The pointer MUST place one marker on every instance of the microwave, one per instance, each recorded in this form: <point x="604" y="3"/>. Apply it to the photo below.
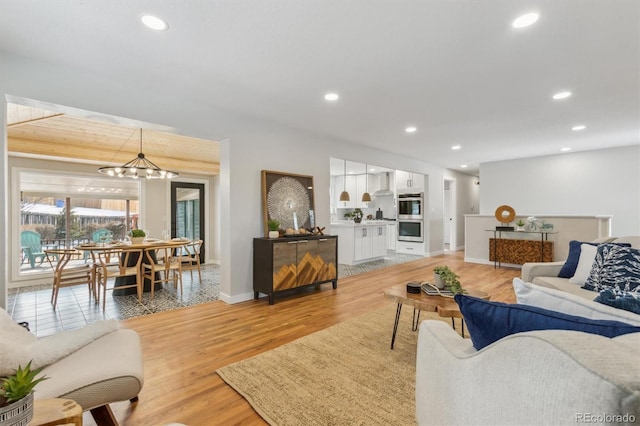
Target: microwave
<point x="411" y="206"/>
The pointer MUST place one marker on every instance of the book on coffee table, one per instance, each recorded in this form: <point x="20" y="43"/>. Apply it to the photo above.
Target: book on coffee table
<point x="431" y="290"/>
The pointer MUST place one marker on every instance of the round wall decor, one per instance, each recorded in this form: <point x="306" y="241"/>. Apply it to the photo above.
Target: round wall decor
<point x="505" y="214"/>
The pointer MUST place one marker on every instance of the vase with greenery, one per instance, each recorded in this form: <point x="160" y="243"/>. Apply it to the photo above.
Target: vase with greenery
<point x="446" y="279"/>
<point x="16" y="395"/>
<point x="273" y="226"/>
<point x="137" y="236"/>
<point x="520" y="225"/>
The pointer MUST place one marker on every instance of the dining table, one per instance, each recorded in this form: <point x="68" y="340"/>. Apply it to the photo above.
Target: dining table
<point x="149" y="245"/>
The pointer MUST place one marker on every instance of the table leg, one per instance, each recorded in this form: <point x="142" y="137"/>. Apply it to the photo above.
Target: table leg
<point x="462" y="327"/>
<point x="395" y="324"/>
<point x="416" y="320"/>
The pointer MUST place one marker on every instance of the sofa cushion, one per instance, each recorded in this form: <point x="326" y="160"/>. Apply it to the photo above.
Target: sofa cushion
<point x="615" y="267"/>
<point x="562" y="301"/>
<point x="569" y="268"/>
<point x="489" y="321"/>
<point x="587" y="256"/>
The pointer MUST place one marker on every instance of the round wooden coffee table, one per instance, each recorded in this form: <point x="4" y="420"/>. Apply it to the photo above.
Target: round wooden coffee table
<point x="444" y="306"/>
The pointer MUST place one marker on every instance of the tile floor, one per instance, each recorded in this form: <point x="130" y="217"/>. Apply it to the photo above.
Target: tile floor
<point x="76" y="307"/>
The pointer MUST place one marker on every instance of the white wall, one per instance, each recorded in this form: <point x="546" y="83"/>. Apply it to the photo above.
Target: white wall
<point x="601" y="182"/>
<point x="248" y="146"/>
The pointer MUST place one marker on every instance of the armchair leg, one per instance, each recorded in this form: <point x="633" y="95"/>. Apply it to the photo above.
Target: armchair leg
<point x="104" y="416"/>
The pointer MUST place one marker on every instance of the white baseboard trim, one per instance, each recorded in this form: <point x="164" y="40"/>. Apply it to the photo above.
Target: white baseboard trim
<point x="231" y="300"/>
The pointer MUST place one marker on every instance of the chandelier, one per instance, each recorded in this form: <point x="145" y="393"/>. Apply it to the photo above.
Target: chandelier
<point x="139" y="167"/>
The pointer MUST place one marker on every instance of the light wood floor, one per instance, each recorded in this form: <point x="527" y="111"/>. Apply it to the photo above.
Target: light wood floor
<point x="183" y="348"/>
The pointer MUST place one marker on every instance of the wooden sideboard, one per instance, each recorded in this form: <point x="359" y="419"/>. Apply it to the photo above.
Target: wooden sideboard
<point x="281" y="264"/>
<point x="520" y="251"/>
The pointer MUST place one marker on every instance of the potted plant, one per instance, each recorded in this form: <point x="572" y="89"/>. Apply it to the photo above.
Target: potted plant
<point x="356" y="215"/>
<point x="273" y="226"/>
<point x="446" y="279"/>
<point x="16" y="395"/>
<point x="137" y="236"/>
<point x="520" y="225"/>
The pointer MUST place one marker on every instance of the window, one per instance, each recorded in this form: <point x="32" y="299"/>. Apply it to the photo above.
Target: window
<point x="64" y="210"/>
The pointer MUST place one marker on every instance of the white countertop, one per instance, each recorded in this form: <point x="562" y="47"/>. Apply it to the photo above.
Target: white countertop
<point x="363" y="223"/>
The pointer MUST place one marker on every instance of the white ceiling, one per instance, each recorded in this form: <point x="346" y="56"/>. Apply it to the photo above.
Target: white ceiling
<point x="456" y="69"/>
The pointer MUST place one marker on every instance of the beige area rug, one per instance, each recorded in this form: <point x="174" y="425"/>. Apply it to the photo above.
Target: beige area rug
<point x="344" y="375"/>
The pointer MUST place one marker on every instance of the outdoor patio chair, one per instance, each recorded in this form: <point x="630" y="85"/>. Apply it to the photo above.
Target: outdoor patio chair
<point x="96" y="237"/>
<point x="31" y="243"/>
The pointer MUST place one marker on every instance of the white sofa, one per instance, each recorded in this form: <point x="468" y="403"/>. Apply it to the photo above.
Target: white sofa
<point x="546" y="273"/>
<point x="533" y="378"/>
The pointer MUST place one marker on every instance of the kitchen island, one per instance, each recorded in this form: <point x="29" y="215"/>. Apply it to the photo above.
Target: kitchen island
<point x="360" y="242"/>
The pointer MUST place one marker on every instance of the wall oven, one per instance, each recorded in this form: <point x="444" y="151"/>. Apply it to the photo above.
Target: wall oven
<point x="411" y="206"/>
<point x="411" y="230"/>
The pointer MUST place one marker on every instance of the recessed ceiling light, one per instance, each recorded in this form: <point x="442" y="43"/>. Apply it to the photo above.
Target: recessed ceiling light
<point x="331" y="97"/>
<point x="525" y="20"/>
<point x="154" y="22"/>
<point x="456" y="147"/>
<point x="565" y="149"/>
<point x="463" y="166"/>
<point x="578" y="127"/>
<point x="411" y="129"/>
<point x="561" y="95"/>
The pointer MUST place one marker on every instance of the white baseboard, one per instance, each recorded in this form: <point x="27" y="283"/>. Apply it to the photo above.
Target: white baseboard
<point x="231" y="300"/>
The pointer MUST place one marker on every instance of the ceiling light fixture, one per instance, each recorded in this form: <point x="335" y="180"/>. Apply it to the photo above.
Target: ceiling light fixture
<point x="331" y="97"/>
<point x="463" y="166"/>
<point x="411" y="129"/>
<point x="561" y="95"/>
<point x="578" y="127"/>
<point x="154" y="23"/>
<point x="456" y="147"/>
<point x="344" y="195"/>
<point x="138" y="167"/>
<point x="525" y="20"/>
<point x="366" y="197"/>
<point x="565" y="149"/>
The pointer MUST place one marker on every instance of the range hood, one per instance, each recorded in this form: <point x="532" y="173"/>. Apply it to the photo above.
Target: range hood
<point x="384" y="186"/>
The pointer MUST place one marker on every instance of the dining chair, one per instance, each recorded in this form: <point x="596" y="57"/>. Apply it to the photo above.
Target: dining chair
<point x="128" y="265"/>
<point x="162" y="265"/>
<point x="190" y="257"/>
<point x="66" y="273"/>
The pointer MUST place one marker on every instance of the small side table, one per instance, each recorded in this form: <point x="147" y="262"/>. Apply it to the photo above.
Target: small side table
<point x="56" y="411"/>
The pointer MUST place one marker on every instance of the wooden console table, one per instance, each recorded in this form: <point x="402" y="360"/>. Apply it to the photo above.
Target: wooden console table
<point x="519" y="251"/>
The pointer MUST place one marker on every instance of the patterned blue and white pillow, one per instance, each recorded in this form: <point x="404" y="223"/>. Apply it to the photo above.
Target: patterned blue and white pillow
<point x="627" y="300"/>
<point x="614" y="267"/>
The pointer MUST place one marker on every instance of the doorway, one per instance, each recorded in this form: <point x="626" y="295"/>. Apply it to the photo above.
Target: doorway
<point x="187" y="212"/>
<point x="449" y="216"/>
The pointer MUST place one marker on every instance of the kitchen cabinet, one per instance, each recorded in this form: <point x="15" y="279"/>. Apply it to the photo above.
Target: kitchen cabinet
<point x="360" y="242"/>
<point x="281" y="264"/>
<point x="409" y="182"/>
<point x="391" y="236"/>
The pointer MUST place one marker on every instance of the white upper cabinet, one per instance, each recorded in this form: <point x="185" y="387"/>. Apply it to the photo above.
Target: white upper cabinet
<point x="409" y="181"/>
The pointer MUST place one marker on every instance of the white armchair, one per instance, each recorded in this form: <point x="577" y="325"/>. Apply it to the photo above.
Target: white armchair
<point x="538" y="377"/>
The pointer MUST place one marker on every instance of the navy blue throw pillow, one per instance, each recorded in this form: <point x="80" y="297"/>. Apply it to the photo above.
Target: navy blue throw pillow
<point x="627" y="300"/>
<point x="489" y="321"/>
<point x="569" y="268"/>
